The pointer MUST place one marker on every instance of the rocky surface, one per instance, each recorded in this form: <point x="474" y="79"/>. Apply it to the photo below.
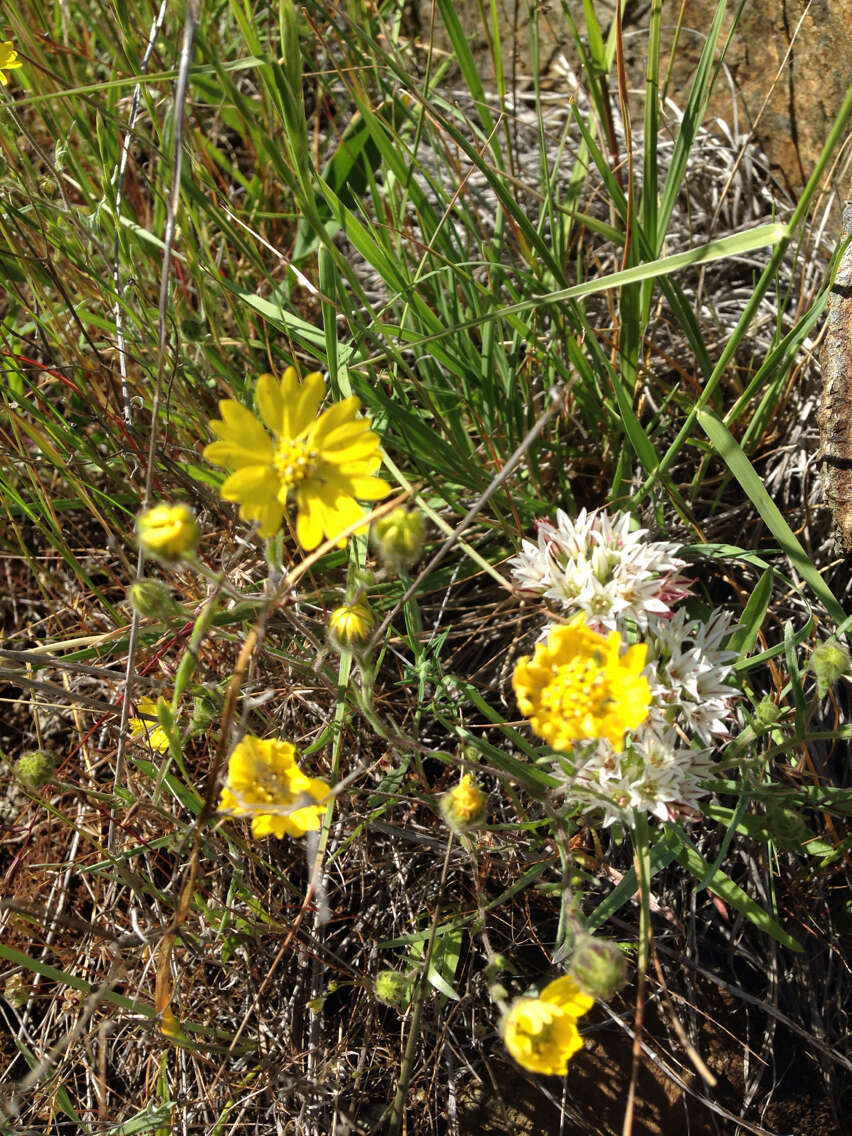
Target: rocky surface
<point x="787" y="103"/>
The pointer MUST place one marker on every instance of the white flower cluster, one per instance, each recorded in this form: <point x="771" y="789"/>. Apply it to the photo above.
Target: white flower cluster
<point x="626" y="583"/>
<point x="598" y="566"/>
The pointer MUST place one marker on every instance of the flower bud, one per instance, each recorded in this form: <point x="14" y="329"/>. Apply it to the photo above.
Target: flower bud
<point x="786" y="826"/>
<point x="767" y="712"/>
<point x="153" y="600"/>
<point x="394" y="989"/>
<point x="168" y="532"/>
<point x="206" y="706"/>
<point x="598" y="966"/>
<point x="35" y="769"/>
<point x="398" y="538"/>
<point x="351" y="624"/>
<point x="828" y="662"/>
<point x="465" y="805"/>
<point x="16" y="991"/>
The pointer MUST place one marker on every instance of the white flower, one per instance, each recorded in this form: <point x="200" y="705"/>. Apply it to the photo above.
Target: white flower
<point x="655" y="774"/>
<point x="686" y="670"/>
<point x="597" y="565"/>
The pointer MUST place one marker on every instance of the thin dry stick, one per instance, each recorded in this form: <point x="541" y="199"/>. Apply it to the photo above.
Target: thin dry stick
<point x="190" y="23"/>
<point x="674" y="1021"/>
<point x="119" y="201"/>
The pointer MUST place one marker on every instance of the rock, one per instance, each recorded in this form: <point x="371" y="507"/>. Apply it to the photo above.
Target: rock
<point x="800" y="107"/>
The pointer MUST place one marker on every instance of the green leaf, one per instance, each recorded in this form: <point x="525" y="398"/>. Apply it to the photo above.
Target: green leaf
<point x="723" y="886"/>
<point x="745" y="473"/>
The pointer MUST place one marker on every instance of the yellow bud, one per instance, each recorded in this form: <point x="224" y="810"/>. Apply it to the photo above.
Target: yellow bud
<point x="168" y="532"/>
<point x="398" y="538"/>
<point x="465" y="805"/>
<point x="351" y="624"/>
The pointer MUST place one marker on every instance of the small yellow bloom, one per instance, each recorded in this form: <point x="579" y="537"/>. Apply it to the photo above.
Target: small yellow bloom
<point x="326" y="460"/>
<point x="265" y="783"/>
<point x="351" y="624"/>
<point x="8" y="60"/>
<point x="465" y="804"/>
<point x="398" y="537"/>
<point x="578" y="685"/>
<point x="541" y="1033"/>
<point x="155" y="735"/>
<point x="168" y="532"/>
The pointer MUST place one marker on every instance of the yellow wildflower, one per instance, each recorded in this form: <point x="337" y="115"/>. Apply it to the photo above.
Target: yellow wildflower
<point x="265" y="783"/>
<point x="168" y="532"/>
<point x="578" y="685"/>
<point x="351" y="624"/>
<point x="327" y="460"/>
<point x="541" y="1033"/>
<point x="155" y="735"/>
<point x="465" y="804"/>
<point x="8" y="60"/>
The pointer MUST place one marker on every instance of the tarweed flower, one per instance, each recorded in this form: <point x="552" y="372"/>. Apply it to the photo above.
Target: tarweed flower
<point x="465" y="805"/>
<point x="597" y="565"/>
<point x="351" y="624"/>
<point x="265" y="783"/>
<point x="8" y="61"/>
<point x="326" y="459"/>
<point x="35" y="769"/>
<point x="541" y="1033"/>
<point x="168" y="532"/>
<point x="153" y="600"/>
<point x="398" y="538"/>
<point x="578" y="685"/>
<point x="394" y="989"/>
<point x="828" y="663"/>
<point x="154" y="735"/>
<point x="598" y="966"/>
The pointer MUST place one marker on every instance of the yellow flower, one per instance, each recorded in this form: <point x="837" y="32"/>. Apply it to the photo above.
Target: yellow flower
<point x="326" y="459"/>
<point x="265" y="783"/>
<point x="541" y="1033"/>
<point x="465" y="804"/>
<point x="578" y="685"/>
<point x="350" y="624"/>
<point x="155" y="735"/>
<point x="8" y="60"/>
<point x="168" y="532"/>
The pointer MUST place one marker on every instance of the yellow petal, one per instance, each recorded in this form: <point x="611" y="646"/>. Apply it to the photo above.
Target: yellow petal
<point x="335" y="416"/>
<point x="256" y="488"/>
<point x="309" y="522"/>
<point x="370" y="488"/>
<point x="301" y="410"/>
<point x="566" y="993"/>
<point x="267" y="824"/>
<point x="269" y="402"/>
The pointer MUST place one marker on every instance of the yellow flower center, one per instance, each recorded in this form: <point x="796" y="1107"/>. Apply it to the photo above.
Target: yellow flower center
<point x="294" y="461"/>
<point x="467" y="799"/>
<point x="269" y="787"/>
<point x="578" y="687"/>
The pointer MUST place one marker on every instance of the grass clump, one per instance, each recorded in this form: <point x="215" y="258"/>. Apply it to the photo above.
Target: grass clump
<point x="504" y="384"/>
